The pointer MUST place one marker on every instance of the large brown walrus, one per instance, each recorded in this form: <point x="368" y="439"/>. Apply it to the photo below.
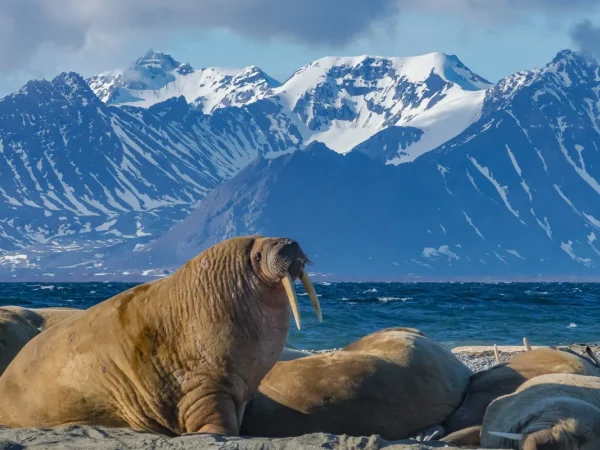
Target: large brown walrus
<point x="15" y="333"/>
<point x="502" y="379"/>
<point x="173" y="356"/>
<point x="394" y="383"/>
<point x="549" y="412"/>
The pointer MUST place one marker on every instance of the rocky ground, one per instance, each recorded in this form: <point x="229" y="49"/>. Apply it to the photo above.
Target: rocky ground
<point x="92" y="438"/>
<point x="95" y="438"/>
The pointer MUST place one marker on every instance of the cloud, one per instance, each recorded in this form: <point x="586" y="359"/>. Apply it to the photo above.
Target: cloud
<point x="587" y="37"/>
<point x="30" y="28"/>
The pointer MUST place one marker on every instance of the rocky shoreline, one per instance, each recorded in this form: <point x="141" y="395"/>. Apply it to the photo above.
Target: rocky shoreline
<point x="97" y="438"/>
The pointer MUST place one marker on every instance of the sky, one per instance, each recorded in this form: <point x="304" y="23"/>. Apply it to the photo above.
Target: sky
<point x="41" y="38"/>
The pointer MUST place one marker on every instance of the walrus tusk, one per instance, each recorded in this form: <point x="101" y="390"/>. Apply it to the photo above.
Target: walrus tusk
<point x="592" y="355"/>
<point x="288" y="284"/>
<point x="526" y="344"/>
<point x="312" y="294"/>
<point x="510" y="436"/>
<point x="496" y="354"/>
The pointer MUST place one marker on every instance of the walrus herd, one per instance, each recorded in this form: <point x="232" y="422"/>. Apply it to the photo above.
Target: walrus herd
<point x="204" y="351"/>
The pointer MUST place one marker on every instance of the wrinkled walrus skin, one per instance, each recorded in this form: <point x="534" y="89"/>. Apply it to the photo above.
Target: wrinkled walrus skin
<point x="15" y="333"/>
<point x="549" y="412"/>
<point x="177" y="355"/>
<point x="503" y="379"/>
<point x="394" y="383"/>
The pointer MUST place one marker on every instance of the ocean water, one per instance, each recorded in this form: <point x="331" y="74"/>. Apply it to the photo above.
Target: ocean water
<point x="452" y="313"/>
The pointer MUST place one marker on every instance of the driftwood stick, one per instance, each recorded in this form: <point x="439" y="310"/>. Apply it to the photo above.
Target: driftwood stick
<point x="496" y="354"/>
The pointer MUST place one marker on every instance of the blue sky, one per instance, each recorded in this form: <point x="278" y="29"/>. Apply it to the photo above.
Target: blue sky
<point x="492" y="53"/>
<point x="495" y="38"/>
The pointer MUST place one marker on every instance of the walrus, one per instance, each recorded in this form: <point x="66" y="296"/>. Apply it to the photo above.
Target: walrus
<point x="395" y="383"/>
<point x="177" y="355"/>
<point x="289" y="354"/>
<point x="43" y="318"/>
<point x="15" y="333"/>
<point x="549" y="412"/>
<point x="505" y="378"/>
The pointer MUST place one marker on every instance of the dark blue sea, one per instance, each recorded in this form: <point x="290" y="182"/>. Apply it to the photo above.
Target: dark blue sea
<point x="452" y="313"/>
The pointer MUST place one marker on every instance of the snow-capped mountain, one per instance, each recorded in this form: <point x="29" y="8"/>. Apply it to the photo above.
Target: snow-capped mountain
<point x="157" y="77"/>
<point x="343" y="102"/>
<point x="516" y="194"/>
<point x="496" y="180"/>
<point x="78" y="170"/>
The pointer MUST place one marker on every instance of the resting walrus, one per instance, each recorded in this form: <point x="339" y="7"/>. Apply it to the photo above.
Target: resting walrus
<point x="177" y="355"/>
<point x="15" y="333"/>
<point x="502" y="379"/>
<point x="394" y="383"/>
<point x="43" y="318"/>
<point x="549" y="412"/>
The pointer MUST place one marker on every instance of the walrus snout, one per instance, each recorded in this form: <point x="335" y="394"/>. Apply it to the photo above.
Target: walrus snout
<point x="289" y="259"/>
<point x="286" y="262"/>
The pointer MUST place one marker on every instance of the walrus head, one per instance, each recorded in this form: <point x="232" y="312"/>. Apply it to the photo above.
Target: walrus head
<point x="281" y="260"/>
<point x="566" y="424"/>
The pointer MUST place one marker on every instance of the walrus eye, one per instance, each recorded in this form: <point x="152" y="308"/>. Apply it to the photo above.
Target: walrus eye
<point x="257" y="257"/>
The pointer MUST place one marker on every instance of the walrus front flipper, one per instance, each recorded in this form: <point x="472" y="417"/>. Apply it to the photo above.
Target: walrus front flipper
<point x="467" y="436"/>
<point x="214" y="414"/>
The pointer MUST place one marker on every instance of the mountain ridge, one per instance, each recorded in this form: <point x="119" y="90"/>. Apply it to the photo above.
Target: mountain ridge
<point x="103" y="190"/>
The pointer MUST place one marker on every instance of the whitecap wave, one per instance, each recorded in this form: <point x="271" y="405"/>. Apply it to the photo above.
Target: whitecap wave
<point x="393" y="299"/>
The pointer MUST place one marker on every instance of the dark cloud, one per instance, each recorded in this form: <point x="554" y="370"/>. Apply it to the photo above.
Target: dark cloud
<point x="29" y="28"/>
<point x="586" y="37"/>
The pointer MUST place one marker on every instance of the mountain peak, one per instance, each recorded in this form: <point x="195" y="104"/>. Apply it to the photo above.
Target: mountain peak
<point x="317" y="147"/>
<point x="156" y="61"/>
<point x="570" y="68"/>
<point x="73" y="87"/>
<point x="566" y="59"/>
<point x="568" y="55"/>
<point x="72" y="78"/>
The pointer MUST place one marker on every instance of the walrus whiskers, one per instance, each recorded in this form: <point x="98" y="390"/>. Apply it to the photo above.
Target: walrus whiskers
<point x="509" y="436"/>
<point x="312" y="294"/>
<point x="288" y="284"/>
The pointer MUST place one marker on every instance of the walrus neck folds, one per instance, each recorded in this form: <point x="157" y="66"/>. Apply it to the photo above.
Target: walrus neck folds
<point x="238" y="303"/>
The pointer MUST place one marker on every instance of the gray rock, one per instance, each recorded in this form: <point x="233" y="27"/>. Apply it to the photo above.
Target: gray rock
<point x="96" y="438"/>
